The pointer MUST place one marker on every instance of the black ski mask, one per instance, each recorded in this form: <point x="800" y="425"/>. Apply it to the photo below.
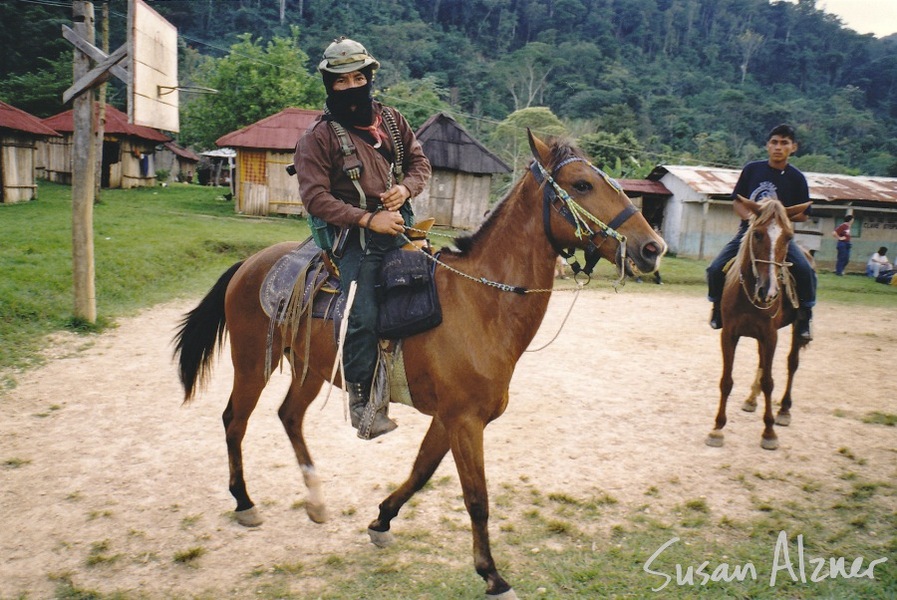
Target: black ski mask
<point x="340" y="103"/>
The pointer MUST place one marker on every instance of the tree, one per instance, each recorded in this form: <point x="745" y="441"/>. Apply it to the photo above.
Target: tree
<point x="620" y="154"/>
<point x="417" y="100"/>
<point x="749" y="42"/>
<point x="510" y="138"/>
<point x="253" y="82"/>
<point x="525" y="73"/>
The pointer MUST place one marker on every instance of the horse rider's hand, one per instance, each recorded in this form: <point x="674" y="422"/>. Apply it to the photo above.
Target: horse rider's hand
<point x="389" y="222"/>
<point x="395" y="197"/>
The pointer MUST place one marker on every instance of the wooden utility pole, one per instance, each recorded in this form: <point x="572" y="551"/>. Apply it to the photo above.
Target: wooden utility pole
<point x="83" y="173"/>
<point x="100" y="132"/>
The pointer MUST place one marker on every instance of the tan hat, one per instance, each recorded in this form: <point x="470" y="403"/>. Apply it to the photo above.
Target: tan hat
<point x="345" y="56"/>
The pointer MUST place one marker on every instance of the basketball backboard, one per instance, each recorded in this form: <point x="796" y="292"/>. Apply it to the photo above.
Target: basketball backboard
<point x="153" y="57"/>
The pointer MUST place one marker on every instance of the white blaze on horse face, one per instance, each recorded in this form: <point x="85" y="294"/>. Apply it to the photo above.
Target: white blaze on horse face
<point x="774" y="232"/>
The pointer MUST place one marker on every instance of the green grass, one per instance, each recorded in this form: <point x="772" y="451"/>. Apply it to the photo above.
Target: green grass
<point x="150" y="245"/>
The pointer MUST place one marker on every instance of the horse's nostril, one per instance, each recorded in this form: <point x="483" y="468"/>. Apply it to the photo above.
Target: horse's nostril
<point x="650" y="250"/>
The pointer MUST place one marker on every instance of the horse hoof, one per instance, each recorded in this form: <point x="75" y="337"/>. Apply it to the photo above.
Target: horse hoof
<point x="749" y="406"/>
<point x="316" y="512"/>
<point x="715" y="439"/>
<point x="768" y="444"/>
<point x="381" y="539"/>
<point x="509" y="595"/>
<point x="249" y="517"/>
<point x="783" y="419"/>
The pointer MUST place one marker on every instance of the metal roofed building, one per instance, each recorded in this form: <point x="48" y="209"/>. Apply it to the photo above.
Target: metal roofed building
<point x="698" y="219"/>
<point x="20" y="133"/>
<point x="264" y="150"/>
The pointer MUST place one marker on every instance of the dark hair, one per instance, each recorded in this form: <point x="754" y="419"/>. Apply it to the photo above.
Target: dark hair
<point x="882" y="250"/>
<point x="786" y="131"/>
<point x="848" y="218"/>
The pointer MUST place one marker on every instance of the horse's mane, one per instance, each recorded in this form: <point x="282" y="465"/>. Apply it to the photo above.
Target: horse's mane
<point x="772" y="210"/>
<point x="561" y="149"/>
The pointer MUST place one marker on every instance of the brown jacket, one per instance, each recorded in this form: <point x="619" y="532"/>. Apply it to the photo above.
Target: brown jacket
<point x="328" y="193"/>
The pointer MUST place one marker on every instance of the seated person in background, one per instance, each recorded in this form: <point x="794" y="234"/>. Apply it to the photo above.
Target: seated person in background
<point x="878" y="263"/>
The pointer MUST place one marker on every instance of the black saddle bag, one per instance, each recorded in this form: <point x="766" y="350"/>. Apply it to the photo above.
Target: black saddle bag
<point x="406" y="291"/>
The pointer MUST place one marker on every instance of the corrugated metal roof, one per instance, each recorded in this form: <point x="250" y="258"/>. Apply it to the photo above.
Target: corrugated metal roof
<point x="824" y="187"/>
<point x="19" y="120"/>
<point x="116" y="124"/>
<point x="181" y="151"/>
<point x="448" y="146"/>
<point x="277" y="132"/>
<point x="644" y="186"/>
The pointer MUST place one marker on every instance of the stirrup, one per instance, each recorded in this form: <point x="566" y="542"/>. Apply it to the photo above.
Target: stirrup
<point x="374" y="422"/>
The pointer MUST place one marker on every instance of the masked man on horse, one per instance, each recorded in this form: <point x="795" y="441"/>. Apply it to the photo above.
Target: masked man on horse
<point x="773" y="178"/>
<point x="358" y="167"/>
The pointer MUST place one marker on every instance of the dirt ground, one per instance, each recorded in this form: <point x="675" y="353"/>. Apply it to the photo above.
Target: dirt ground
<point x="98" y="456"/>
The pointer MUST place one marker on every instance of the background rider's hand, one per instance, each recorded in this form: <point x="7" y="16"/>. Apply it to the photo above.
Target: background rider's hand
<point x="385" y="221"/>
<point x="395" y="197"/>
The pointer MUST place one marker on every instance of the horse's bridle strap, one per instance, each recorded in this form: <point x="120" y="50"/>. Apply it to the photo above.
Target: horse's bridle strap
<point x="573" y="214"/>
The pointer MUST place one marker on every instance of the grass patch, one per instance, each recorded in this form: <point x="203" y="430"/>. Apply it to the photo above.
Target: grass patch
<point x="880" y="418"/>
<point x="150" y="245"/>
<point x="189" y="556"/>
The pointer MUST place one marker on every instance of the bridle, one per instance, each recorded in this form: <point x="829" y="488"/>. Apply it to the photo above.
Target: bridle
<point x="554" y="196"/>
<point x="781" y="274"/>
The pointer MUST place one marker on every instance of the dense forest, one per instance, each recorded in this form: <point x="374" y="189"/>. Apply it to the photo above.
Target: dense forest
<point x="638" y="82"/>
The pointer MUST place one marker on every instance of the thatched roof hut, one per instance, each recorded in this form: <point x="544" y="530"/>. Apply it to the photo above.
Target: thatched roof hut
<point x="458" y="195"/>
<point x="264" y="150"/>
<point x="19" y="134"/>
<point x="128" y="150"/>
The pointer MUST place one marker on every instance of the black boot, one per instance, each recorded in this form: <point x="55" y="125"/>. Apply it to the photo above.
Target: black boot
<point x="804" y="319"/>
<point x="369" y="422"/>
<point x="716" y="317"/>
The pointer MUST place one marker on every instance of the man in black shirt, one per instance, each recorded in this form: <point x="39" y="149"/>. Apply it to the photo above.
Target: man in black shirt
<point x="773" y="178"/>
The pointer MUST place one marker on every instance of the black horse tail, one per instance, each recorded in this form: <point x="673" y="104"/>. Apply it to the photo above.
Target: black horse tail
<point x="200" y="331"/>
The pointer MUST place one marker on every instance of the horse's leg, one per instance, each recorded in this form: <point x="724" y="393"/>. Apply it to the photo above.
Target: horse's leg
<point x="783" y="417"/>
<point x="466" y="440"/>
<point x="292" y="413"/>
<point x="243" y="399"/>
<point x="767" y="350"/>
<point x="750" y="403"/>
<point x="729" y="342"/>
<point x="432" y="450"/>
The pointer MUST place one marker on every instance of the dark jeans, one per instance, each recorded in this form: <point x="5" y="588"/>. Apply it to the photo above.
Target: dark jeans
<point x="843" y="257"/>
<point x="804" y="275"/>
<point x="362" y="266"/>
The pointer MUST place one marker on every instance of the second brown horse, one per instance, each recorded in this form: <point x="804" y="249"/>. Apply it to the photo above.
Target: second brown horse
<point x="758" y="300"/>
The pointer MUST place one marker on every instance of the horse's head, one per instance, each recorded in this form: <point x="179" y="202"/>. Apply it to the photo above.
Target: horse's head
<point x="765" y="244"/>
<point x="584" y="208"/>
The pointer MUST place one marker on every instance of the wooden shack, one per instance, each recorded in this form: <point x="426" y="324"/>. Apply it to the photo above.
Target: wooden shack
<point x="458" y="194"/>
<point x="180" y="162"/>
<point x="19" y="134"/>
<point x="128" y="151"/>
<point x="264" y="150"/>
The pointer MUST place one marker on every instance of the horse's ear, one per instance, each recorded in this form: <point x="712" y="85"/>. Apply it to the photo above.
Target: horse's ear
<point x="744" y="208"/>
<point x="798" y="212"/>
<point x="538" y="147"/>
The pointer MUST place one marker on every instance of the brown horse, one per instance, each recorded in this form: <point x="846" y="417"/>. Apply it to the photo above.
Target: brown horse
<point x="494" y="290"/>
<point x="758" y="300"/>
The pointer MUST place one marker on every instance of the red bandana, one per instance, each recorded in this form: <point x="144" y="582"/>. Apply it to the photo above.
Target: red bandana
<point x="374" y="130"/>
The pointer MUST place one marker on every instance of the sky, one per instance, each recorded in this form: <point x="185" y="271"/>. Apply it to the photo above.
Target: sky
<point x="878" y="17"/>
